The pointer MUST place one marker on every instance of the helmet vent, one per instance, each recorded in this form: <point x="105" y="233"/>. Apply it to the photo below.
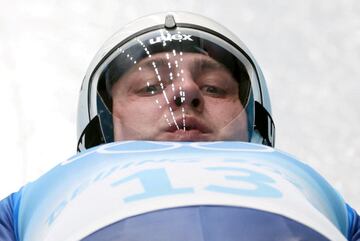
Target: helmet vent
<point x="170" y="22"/>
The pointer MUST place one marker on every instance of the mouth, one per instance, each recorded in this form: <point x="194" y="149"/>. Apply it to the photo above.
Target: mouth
<point x="188" y="124"/>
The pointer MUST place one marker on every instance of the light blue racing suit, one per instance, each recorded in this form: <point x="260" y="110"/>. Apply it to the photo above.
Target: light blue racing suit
<point x="178" y="191"/>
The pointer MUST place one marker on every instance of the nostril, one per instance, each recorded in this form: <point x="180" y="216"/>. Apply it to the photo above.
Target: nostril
<point x="178" y="101"/>
<point x="195" y="102"/>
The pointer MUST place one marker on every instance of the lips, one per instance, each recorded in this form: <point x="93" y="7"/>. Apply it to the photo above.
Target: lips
<point x="188" y="124"/>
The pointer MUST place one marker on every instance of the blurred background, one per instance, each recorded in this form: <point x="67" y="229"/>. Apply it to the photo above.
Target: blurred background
<point x="309" y="51"/>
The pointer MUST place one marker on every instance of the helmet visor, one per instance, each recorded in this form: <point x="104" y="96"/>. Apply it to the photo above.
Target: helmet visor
<point x="179" y="85"/>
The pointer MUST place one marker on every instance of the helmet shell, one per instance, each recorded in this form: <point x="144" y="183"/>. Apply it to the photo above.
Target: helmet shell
<point x="264" y="127"/>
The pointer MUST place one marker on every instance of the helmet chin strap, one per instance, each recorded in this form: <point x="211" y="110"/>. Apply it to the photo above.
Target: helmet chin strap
<point x="91" y="136"/>
<point x="257" y="138"/>
<point x="264" y="129"/>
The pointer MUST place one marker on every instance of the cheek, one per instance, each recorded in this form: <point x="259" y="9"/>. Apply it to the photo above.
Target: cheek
<point x="140" y="109"/>
<point x="230" y="119"/>
<point x="224" y="110"/>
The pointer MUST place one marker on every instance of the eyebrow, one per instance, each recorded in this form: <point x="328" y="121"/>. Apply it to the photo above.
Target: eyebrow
<point x="198" y="63"/>
<point x="154" y="63"/>
<point x="207" y="64"/>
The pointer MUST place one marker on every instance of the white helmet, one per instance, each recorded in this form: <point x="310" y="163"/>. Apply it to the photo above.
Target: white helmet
<point x="158" y="58"/>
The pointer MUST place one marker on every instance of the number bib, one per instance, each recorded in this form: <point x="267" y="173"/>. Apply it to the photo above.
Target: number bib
<point x="119" y="180"/>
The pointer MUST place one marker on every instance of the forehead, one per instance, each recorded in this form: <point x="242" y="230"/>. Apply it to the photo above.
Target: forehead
<point x="193" y="62"/>
<point x="176" y="60"/>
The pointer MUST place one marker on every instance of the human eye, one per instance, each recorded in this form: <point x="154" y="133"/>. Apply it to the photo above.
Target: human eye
<point x="213" y="91"/>
<point x="150" y="89"/>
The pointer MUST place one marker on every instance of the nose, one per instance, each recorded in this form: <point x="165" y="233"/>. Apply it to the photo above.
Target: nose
<point x="187" y="94"/>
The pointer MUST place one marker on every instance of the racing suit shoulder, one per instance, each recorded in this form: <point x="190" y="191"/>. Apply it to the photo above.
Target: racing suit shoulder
<point x="8" y="217"/>
<point x="354" y="224"/>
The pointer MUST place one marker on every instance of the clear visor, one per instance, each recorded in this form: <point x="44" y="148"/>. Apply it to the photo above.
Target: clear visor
<point x="181" y="85"/>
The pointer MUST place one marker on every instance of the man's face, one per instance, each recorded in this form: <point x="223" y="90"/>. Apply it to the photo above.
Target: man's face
<point x="169" y="97"/>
